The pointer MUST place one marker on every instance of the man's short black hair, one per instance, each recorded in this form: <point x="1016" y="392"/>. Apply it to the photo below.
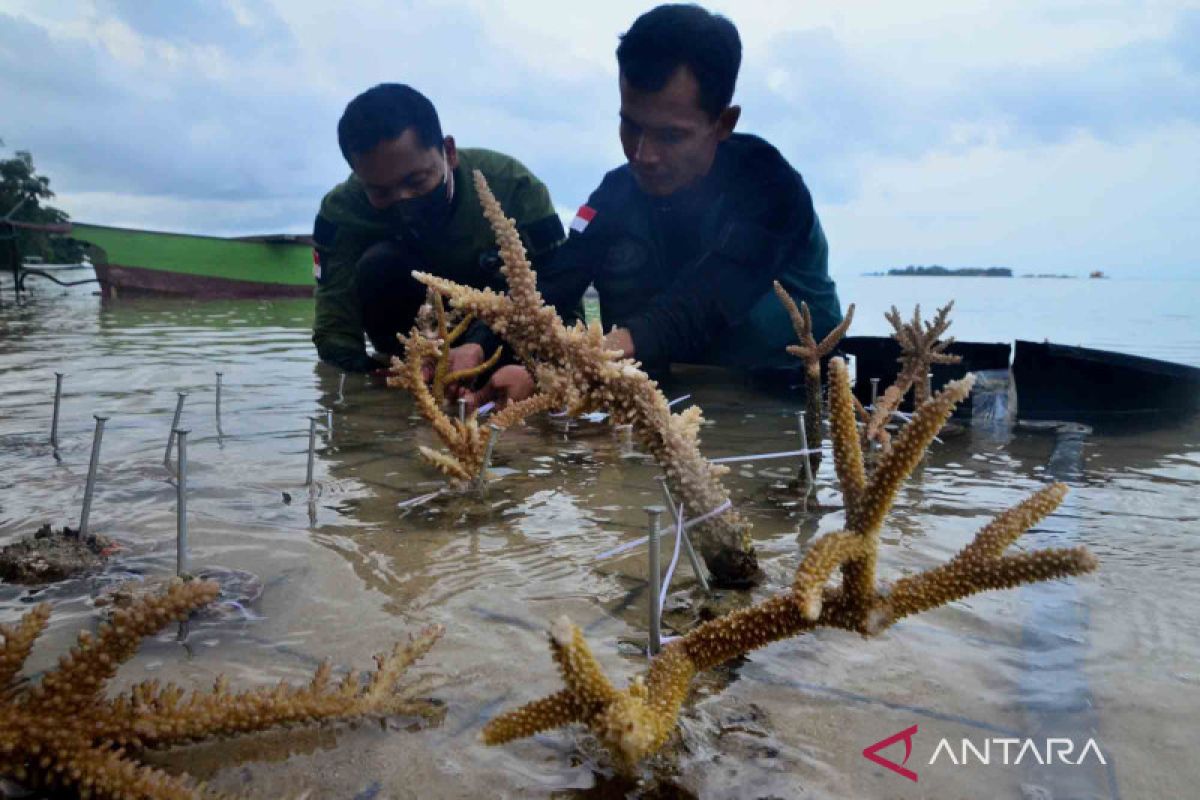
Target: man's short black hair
<point x="385" y="112"/>
<point x="666" y="37"/>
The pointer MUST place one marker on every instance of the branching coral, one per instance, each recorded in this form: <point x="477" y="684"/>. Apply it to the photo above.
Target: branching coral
<point x="635" y="722"/>
<point x="920" y="348"/>
<point x="465" y="441"/>
<point x="446" y="337"/>
<point x="574" y="367"/>
<point x="63" y="733"/>
<point x="428" y="343"/>
<point x="811" y="353"/>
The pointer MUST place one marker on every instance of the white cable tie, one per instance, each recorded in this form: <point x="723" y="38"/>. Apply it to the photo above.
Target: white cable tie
<point x="666" y="582"/>
<point x="907" y="418"/>
<point x="485" y="408"/>
<point x="419" y="499"/>
<point x="616" y="551"/>
<point x="721" y="509"/>
<point x="622" y="548"/>
<point x="759" y="456"/>
<point x="678" y="400"/>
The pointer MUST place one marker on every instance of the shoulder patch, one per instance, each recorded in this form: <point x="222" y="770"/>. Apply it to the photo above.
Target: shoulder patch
<point x="324" y="231"/>
<point x="316" y="265"/>
<point x="583" y="218"/>
<point x="544" y="234"/>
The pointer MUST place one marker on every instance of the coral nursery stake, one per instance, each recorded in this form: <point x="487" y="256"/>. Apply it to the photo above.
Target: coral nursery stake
<point x="635" y="722"/>
<point x="64" y="734"/>
<point x="811" y="353"/>
<point x="574" y="368"/>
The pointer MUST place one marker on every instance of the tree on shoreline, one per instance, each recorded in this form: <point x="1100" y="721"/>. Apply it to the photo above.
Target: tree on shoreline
<point x="21" y="188"/>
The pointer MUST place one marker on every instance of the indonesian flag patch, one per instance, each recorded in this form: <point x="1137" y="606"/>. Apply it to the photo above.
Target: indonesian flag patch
<point x="582" y="218"/>
<point x="316" y="265"/>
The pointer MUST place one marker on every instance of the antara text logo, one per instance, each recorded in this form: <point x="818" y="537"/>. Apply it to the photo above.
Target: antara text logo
<point x="1008" y="751"/>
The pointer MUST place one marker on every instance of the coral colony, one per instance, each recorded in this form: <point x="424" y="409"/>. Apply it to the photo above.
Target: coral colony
<point x="920" y="348"/>
<point x="63" y="733"/>
<point x="428" y="344"/>
<point x="574" y="369"/>
<point x="635" y="722"/>
<point x="811" y="354"/>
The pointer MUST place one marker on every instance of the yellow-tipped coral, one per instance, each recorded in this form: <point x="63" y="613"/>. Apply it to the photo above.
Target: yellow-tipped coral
<point x="575" y="367"/>
<point x="811" y="353"/>
<point x="64" y="734"/>
<point x="633" y="723"/>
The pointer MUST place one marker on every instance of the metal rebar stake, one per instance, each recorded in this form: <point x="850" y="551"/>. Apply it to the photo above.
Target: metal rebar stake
<point x="810" y="482"/>
<point x="654" y="578"/>
<point x="693" y="559"/>
<point x="93" y="465"/>
<point x="626" y="434"/>
<point x="481" y="479"/>
<point x="58" y="376"/>
<point x="174" y="425"/>
<point x="341" y="398"/>
<point x="462" y="410"/>
<point x="874" y="392"/>
<point x="181" y="543"/>
<point x="312" y="452"/>
<point x="219" y="374"/>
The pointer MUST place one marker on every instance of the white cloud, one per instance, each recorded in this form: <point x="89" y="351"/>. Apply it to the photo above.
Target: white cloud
<point x="927" y="131"/>
<point x="1072" y="206"/>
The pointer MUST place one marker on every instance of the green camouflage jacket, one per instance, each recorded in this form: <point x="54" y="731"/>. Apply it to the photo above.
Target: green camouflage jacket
<point x="347" y="225"/>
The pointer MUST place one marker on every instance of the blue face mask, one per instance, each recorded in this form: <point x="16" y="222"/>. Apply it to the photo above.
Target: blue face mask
<point x="428" y="214"/>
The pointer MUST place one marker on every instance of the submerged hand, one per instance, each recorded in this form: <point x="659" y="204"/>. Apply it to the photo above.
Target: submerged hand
<point x="620" y="339"/>
<point x="466" y="356"/>
<point x="508" y="385"/>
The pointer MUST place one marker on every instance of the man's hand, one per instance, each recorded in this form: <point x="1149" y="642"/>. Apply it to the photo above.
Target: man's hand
<point x="619" y="339"/>
<point x="507" y="385"/>
<point x="466" y="356"/>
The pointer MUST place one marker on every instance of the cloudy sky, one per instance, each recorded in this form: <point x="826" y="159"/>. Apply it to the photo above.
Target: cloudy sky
<point x="1044" y="136"/>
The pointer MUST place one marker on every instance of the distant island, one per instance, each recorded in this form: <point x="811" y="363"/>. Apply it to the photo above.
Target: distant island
<point x="936" y="269"/>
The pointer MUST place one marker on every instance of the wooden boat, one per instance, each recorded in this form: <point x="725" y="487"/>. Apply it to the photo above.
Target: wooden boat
<point x="1062" y="382"/>
<point x="877" y="357"/>
<point x="133" y="262"/>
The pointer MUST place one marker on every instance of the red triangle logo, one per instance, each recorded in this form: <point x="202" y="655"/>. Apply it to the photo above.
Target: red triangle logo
<point x="872" y="753"/>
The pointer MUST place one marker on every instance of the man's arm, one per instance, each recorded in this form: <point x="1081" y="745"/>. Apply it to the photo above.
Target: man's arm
<point x="337" y="324"/>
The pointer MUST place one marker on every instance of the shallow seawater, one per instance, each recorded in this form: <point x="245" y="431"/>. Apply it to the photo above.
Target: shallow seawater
<point x="1112" y="656"/>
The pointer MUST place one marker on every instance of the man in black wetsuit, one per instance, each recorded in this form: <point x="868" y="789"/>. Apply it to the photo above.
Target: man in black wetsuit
<point x="682" y="242"/>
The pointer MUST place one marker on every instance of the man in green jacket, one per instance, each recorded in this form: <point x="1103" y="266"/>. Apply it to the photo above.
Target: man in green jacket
<point x="410" y="204"/>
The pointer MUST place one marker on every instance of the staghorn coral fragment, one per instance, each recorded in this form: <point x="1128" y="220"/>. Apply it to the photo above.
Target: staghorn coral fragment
<point x="575" y="367"/>
<point x="811" y="353"/>
<point x="464" y="441"/>
<point x="429" y="341"/>
<point x="921" y="346"/>
<point x="442" y="375"/>
<point x="635" y="722"/>
<point x="63" y="734"/>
